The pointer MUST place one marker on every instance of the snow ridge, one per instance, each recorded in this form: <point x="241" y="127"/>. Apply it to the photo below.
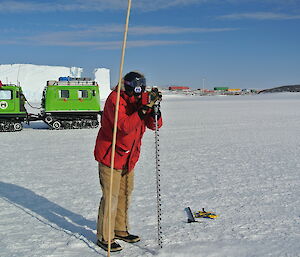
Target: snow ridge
<point x="33" y="78"/>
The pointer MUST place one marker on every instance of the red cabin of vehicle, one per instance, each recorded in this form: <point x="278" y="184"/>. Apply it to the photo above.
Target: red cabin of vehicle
<point x="178" y="88"/>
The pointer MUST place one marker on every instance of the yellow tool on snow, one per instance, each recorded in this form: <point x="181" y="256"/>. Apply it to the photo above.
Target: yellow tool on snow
<point x="205" y="214"/>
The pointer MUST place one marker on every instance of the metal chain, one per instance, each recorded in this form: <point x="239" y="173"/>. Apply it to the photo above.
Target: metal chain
<point x="158" y="192"/>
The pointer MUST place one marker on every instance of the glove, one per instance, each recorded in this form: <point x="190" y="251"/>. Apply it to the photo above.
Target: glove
<point x="155" y="97"/>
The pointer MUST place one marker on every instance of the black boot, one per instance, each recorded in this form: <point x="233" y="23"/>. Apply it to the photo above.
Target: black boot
<point x="114" y="246"/>
<point x="129" y="238"/>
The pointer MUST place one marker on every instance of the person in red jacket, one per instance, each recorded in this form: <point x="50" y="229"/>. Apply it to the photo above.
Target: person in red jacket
<point x="133" y="119"/>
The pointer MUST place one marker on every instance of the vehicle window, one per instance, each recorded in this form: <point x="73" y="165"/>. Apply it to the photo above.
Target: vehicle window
<point x="94" y="92"/>
<point x="82" y="94"/>
<point x="64" y="93"/>
<point x="5" y="94"/>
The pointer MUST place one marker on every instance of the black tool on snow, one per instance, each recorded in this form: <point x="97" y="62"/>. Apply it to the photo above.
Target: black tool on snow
<point x="190" y="215"/>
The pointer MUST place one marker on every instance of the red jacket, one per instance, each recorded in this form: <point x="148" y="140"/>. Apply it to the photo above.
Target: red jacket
<point x="129" y="134"/>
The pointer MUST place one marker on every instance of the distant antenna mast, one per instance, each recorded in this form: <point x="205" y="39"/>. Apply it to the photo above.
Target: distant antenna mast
<point x="18" y="75"/>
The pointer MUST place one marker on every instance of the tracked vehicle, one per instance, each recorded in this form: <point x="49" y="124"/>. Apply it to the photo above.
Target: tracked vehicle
<point x="71" y="103"/>
<point x="12" y="110"/>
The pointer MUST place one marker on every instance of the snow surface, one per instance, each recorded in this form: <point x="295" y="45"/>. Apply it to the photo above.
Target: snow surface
<point x="235" y="155"/>
<point x="33" y="78"/>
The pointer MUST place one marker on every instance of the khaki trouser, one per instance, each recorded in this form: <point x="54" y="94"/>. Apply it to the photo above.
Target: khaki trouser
<point x="121" y="193"/>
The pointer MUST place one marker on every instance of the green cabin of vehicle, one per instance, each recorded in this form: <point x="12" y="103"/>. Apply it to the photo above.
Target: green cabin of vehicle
<point x="11" y="100"/>
<point x="221" y="88"/>
<point x="71" y="97"/>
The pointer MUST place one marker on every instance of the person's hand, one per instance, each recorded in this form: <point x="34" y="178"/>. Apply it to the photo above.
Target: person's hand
<point x="155" y="97"/>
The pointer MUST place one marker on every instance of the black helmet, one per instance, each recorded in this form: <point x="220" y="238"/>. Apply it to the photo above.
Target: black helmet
<point x="134" y="82"/>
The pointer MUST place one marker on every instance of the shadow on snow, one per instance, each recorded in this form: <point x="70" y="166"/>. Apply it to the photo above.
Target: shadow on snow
<point x="49" y="213"/>
<point x="36" y="125"/>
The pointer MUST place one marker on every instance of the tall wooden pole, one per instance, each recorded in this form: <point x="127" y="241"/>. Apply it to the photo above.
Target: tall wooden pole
<point x="115" y="126"/>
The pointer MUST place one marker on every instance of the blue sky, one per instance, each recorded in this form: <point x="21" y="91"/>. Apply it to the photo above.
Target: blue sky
<point x="235" y="43"/>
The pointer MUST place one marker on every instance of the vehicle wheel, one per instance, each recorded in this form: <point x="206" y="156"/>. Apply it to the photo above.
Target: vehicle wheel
<point x="84" y="124"/>
<point x="56" y="125"/>
<point x="6" y="127"/>
<point x="18" y="126"/>
<point x="94" y="124"/>
<point x="74" y="125"/>
<point x="68" y="125"/>
<point x="80" y="124"/>
<point x="48" y="119"/>
<point x="77" y="124"/>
